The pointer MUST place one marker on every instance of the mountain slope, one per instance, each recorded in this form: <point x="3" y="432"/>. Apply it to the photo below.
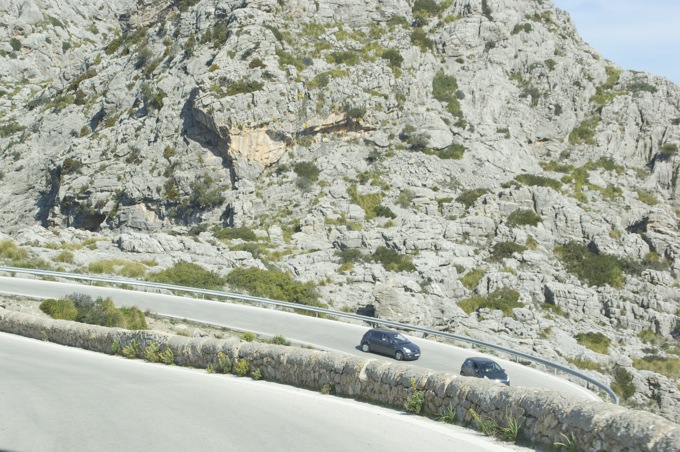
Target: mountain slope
<point x="468" y="165"/>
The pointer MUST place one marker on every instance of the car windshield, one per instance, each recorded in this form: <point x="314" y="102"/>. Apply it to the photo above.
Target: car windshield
<point x="491" y="368"/>
<point x="399" y="338"/>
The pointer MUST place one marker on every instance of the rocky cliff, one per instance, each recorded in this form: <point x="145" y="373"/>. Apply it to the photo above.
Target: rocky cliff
<point x="467" y="165"/>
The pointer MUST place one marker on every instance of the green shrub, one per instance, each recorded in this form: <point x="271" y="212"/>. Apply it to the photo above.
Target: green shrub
<point x="639" y="85"/>
<point x="596" y="342"/>
<point x="244" y="87"/>
<point x="223" y="364"/>
<point x="144" y="56"/>
<point x="248" y="336"/>
<point x="152" y="97"/>
<point x="584" y="133"/>
<point x="384" y="211"/>
<point x="167" y="357"/>
<point x="114" y="45"/>
<point x="71" y="166"/>
<point x="354" y="113"/>
<point x="274" y="284"/>
<point x="469" y="197"/>
<point x="603" y="96"/>
<point x="151" y="353"/>
<point x="286" y="59"/>
<point x="613" y="75"/>
<point x="132" y="350"/>
<point x="441" y="202"/>
<point x="504" y="299"/>
<point x="486" y="10"/>
<point x="538" y="181"/>
<point x="449" y="417"/>
<point x="217" y="34"/>
<point x="427" y="7"/>
<point x="405" y="198"/>
<point x="63" y="309"/>
<point x="670" y="367"/>
<point x="99" y="312"/>
<point x="668" y="150"/>
<point x="595" y="269"/>
<point x="392" y="260"/>
<point x="647" y="198"/>
<point x="81" y="308"/>
<point x="415" y="401"/>
<point x="256" y="374"/>
<point x="279" y="340"/>
<point x="398" y="21"/>
<point x="419" y="38"/>
<point x="445" y="89"/>
<point x="471" y="279"/>
<point x="9" y="128"/>
<point x="505" y="250"/>
<point x="393" y="57"/>
<point x="203" y="195"/>
<point x="307" y="170"/>
<point x="633" y="267"/>
<point x="418" y="141"/>
<point x="585" y="364"/>
<point x="133" y="318"/>
<point x="647" y="336"/>
<point x="118" y="266"/>
<point x="623" y="383"/>
<point x="522" y="217"/>
<point x="242" y="367"/>
<point x="189" y="274"/>
<point x="486" y="425"/>
<point x="15" y="43"/>
<point x="184" y="5"/>
<point x="454" y="151"/>
<point x="240" y="232"/>
<point x="369" y="201"/>
<point x="347" y="57"/>
<point x="351" y="255"/>
<point x="525" y="27"/>
<point x="320" y="80"/>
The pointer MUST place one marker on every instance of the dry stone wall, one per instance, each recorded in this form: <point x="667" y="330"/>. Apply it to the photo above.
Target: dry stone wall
<point x="544" y="415"/>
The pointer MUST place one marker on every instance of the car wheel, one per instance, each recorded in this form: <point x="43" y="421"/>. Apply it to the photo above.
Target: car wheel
<point x="398" y="356"/>
<point x="365" y="347"/>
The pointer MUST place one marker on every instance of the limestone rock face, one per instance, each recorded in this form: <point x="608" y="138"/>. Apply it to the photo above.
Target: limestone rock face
<point x="437" y="160"/>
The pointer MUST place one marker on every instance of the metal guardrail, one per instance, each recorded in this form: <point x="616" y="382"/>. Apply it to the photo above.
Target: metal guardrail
<point x="317" y="310"/>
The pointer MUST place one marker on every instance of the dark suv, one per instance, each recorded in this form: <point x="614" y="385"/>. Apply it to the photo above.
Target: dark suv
<point x="389" y="343"/>
<point x="484" y="368"/>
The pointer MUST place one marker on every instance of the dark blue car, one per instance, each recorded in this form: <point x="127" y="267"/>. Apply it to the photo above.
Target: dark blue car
<point x="484" y="368"/>
<point x="389" y="343"/>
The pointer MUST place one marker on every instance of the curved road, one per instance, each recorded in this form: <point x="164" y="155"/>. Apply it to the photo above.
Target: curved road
<point x="57" y="398"/>
<point x="327" y="334"/>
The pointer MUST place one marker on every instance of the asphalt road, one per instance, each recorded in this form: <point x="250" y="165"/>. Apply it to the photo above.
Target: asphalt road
<point x="56" y="398"/>
<point x="327" y="334"/>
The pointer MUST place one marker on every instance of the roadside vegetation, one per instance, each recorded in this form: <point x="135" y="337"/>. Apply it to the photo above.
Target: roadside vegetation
<point x="504" y="299"/>
<point x="591" y="267"/>
<point x="15" y="256"/>
<point x="102" y="311"/>
<point x="274" y="284"/>
<point x="596" y="342"/>
<point x="189" y="274"/>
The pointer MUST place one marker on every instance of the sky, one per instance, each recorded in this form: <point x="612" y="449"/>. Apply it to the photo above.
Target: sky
<point x="639" y="35"/>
